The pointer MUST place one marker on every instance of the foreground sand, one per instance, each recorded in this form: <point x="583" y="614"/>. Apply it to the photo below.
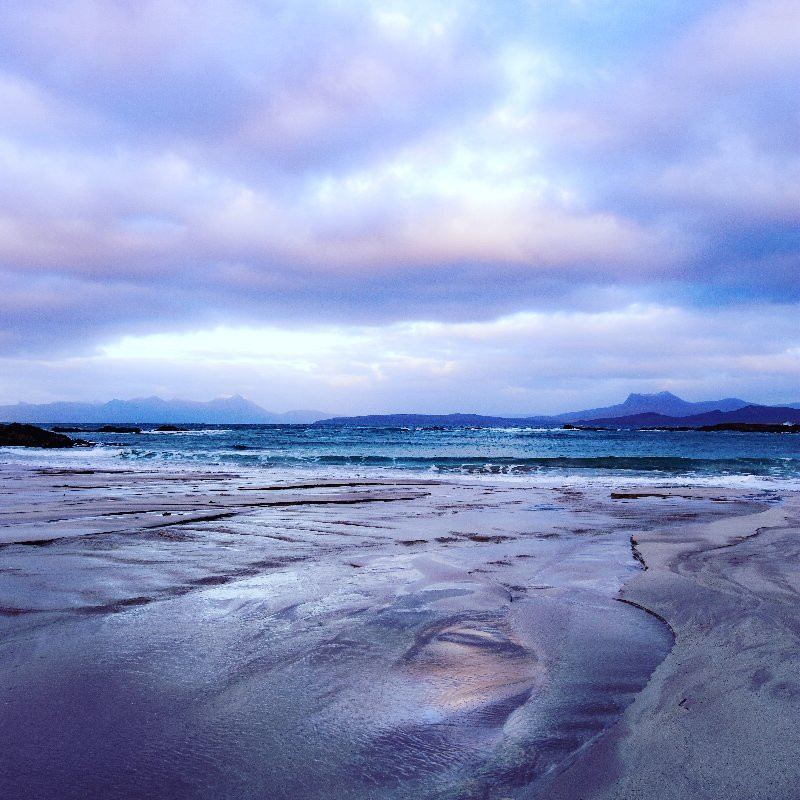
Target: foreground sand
<point x="393" y="638"/>
<point x="719" y="717"/>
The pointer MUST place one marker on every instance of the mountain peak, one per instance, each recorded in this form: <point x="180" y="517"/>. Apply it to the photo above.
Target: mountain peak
<point x="664" y="395"/>
<point x="663" y="402"/>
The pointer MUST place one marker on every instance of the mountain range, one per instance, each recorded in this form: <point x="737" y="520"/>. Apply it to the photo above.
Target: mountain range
<point x="758" y="415"/>
<point x="662" y="409"/>
<point x="223" y="410"/>
<point x="660" y="403"/>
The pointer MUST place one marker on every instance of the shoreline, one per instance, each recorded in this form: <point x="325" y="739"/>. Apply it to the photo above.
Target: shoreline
<point x="717" y="718"/>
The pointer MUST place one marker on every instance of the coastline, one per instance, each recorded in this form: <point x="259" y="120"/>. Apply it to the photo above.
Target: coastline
<point x="718" y="716"/>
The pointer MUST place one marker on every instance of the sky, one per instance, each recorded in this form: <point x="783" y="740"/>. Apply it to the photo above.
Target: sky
<point x="506" y="207"/>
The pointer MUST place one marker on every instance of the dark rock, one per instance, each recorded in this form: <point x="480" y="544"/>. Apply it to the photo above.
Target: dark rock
<point x="17" y="435"/>
<point x="752" y="427"/>
<point x="170" y="428"/>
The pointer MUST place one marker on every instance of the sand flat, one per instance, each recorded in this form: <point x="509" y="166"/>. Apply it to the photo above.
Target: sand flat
<point x="383" y="638"/>
<point x="718" y="718"/>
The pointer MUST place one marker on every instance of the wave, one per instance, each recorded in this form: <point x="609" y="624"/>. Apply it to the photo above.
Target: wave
<point x="665" y="465"/>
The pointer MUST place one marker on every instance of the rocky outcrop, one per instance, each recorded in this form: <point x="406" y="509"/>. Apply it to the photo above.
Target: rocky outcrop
<point x="17" y="435"/>
<point x="118" y="429"/>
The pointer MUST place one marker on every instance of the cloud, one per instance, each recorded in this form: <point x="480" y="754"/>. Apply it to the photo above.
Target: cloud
<point x="296" y="85"/>
<point x="702" y="124"/>
<point x="170" y="167"/>
<point x="525" y="363"/>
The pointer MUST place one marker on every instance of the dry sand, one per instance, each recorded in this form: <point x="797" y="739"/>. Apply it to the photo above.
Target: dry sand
<point x="719" y="717"/>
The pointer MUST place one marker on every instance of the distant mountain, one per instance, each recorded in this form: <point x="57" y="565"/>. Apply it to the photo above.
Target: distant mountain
<point x="301" y="417"/>
<point x="661" y="403"/>
<point x="238" y="410"/>
<point x="438" y="420"/>
<point x="763" y="415"/>
<point x="664" y="403"/>
<point x="223" y="410"/>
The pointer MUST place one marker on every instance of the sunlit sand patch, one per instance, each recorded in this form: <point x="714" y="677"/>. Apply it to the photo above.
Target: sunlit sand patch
<point x="471" y="664"/>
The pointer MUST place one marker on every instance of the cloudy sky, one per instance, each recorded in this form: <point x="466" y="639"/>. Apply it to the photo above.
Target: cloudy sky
<point x="514" y="206"/>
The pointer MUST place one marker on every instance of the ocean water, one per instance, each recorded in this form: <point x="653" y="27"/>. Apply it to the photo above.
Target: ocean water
<point x="542" y="453"/>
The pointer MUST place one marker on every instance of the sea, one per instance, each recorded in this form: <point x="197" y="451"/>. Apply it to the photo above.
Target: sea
<point x="533" y="453"/>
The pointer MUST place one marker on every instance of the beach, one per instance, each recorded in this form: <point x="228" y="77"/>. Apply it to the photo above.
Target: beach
<point x="209" y="632"/>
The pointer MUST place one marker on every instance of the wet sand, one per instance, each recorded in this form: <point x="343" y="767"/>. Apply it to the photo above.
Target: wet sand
<point x="210" y="634"/>
<point x="718" y="718"/>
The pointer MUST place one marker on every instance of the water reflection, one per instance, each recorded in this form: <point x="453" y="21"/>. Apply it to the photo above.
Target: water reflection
<point x="481" y="703"/>
<point x="466" y="663"/>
